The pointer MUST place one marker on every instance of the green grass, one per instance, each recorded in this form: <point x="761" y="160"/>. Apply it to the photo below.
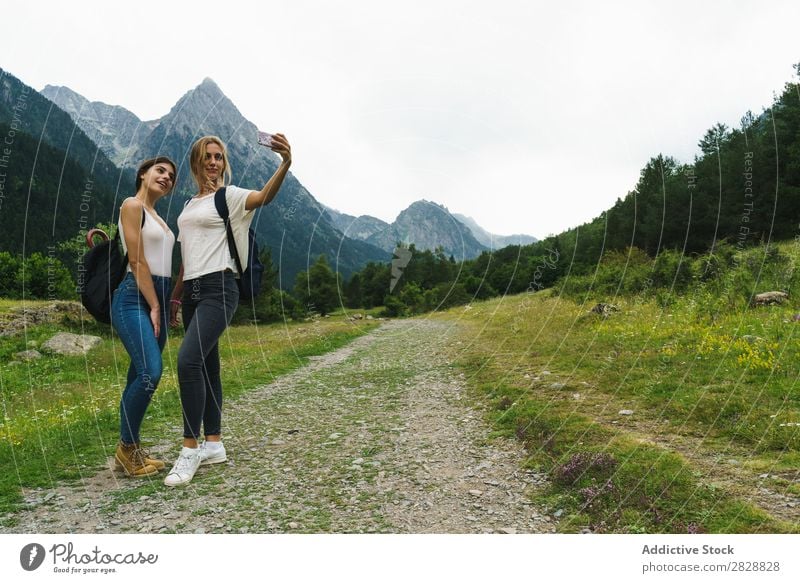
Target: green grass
<point x="680" y="372"/>
<point x="60" y="414"/>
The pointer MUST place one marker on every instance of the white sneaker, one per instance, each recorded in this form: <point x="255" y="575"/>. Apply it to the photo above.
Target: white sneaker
<point x="185" y="467"/>
<point x="212" y="455"/>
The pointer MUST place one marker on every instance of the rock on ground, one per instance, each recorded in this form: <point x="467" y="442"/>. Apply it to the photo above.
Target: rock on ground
<point x="70" y="344"/>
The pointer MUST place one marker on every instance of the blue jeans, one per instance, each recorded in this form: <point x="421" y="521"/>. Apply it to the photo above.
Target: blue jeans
<point x="130" y="316"/>
<point x="209" y="302"/>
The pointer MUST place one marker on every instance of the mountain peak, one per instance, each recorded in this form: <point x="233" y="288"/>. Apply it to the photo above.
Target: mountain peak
<point x="56" y="88"/>
<point x="202" y="110"/>
<point x="423" y="204"/>
<point x="61" y="94"/>
<point x="490" y="240"/>
<point x="209" y="84"/>
<point x="112" y="127"/>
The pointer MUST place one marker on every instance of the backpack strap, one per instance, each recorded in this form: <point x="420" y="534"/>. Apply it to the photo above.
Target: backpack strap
<point x="221" y="202"/>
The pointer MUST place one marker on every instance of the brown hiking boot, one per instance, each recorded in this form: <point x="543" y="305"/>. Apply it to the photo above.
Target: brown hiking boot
<point x="130" y="458"/>
<point x="156" y="463"/>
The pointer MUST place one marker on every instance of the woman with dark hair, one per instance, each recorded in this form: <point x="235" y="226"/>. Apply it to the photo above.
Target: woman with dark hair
<point x="207" y="291"/>
<point x="139" y="306"/>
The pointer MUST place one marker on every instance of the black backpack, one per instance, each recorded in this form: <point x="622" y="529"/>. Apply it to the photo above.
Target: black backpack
<point x="100" y="271"/>
<point x="249" y="281"/>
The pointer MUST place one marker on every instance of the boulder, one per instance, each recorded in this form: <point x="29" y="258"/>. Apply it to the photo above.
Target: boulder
<point x="770" y="298"/>
<point x="22" y="317"/>
<point x="604" y="309"/>
<point x="71" y="344"/>
<point x="28" y="355"/>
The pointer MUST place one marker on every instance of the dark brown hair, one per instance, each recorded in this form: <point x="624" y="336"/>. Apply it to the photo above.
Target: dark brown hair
<point x="149" y="163"/>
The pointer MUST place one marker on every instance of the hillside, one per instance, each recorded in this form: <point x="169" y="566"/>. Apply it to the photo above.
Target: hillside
<point x="652" y="419"/>
<point x="57" y="181"/>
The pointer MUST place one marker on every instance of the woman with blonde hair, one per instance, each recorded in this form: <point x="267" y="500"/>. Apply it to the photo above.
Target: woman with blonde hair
<point x="139" y="306"/>
<point x="207" y="293"/>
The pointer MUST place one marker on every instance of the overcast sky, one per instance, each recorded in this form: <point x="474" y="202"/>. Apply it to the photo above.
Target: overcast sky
<point x="530" y="117"/>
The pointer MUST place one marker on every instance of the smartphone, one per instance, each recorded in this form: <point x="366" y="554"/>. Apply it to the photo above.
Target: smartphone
<point x="265" y="139"/>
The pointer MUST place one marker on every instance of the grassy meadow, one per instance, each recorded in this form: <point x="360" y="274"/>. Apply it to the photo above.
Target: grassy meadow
<point x="668" y="415"/>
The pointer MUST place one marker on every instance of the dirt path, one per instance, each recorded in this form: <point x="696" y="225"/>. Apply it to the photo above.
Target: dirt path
<point x="378" y="436"/>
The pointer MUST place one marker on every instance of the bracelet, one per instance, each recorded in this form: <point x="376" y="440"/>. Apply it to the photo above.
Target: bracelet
<point x="175" y="302"/>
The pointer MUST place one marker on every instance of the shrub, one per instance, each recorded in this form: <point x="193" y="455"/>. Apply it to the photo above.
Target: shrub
<point x="45" y="278"/>
<point x="9" y="268"/>
<point x="584" y="464"/>
<point x="394" y="307"/>
<point x="672" y="270"/>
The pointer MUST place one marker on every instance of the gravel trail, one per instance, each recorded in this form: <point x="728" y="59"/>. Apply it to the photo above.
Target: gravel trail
<point x="378" y="436"/>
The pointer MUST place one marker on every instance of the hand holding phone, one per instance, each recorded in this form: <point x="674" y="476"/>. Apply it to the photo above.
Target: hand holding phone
<point x="278" y="144"/>
<point x="265" y="139"/>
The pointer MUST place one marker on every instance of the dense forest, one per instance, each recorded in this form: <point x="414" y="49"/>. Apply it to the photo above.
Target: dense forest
<point x="45" y="199"/>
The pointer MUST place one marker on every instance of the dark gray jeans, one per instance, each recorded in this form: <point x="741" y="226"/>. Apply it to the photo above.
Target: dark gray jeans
<point x="208" y="305"/>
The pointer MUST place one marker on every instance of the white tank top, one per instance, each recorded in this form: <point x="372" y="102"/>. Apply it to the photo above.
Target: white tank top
<point x="158" y="241"/>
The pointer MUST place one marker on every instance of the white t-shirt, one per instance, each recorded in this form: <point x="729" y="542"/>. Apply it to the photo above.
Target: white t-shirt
<point x="157" y="240"/>
<point x="203" y="237"/>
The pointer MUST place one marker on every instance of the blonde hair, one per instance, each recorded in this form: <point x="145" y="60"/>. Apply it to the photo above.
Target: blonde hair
<point x="197" y="158"/>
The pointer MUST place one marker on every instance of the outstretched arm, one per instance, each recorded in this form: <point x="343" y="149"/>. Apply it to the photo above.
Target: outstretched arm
<point x="259" y="198"/>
